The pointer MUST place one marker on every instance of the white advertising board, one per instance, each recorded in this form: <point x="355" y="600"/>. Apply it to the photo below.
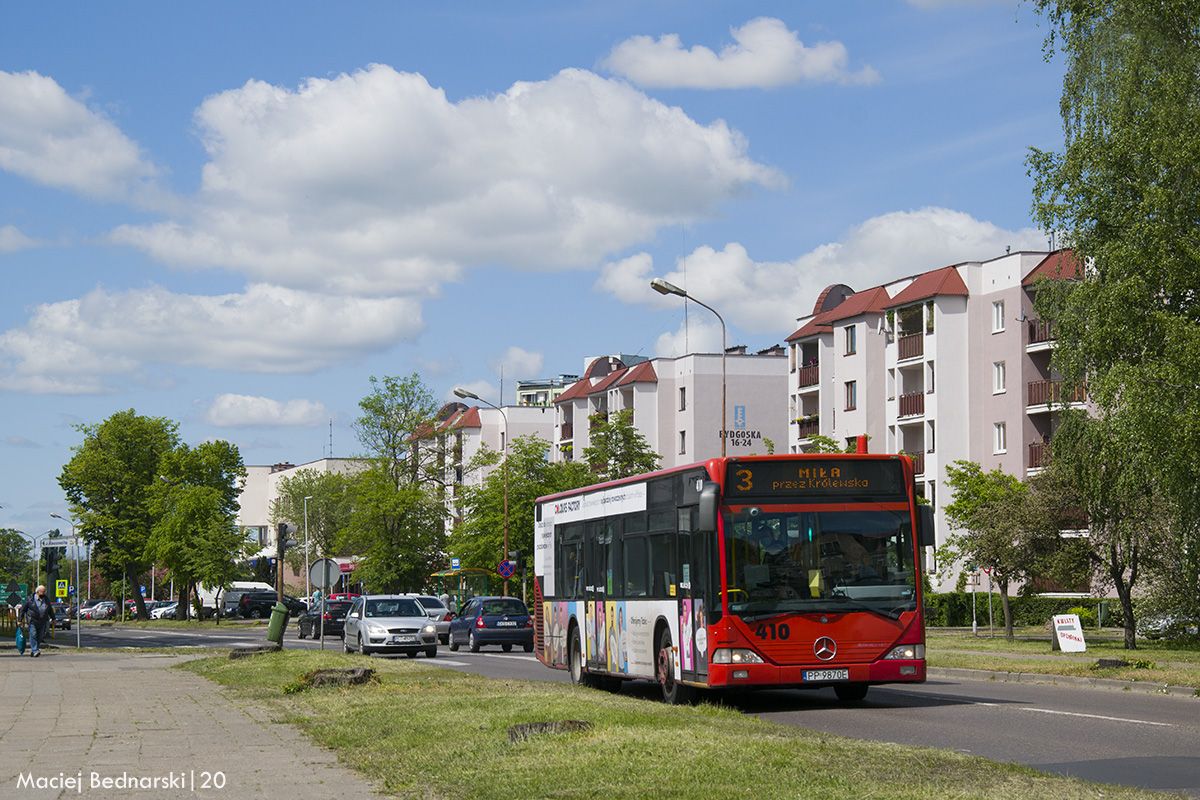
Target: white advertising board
<point x="1069" y="633"/>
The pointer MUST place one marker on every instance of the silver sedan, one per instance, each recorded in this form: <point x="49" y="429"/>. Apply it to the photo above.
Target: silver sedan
<point x="388" y="623"/>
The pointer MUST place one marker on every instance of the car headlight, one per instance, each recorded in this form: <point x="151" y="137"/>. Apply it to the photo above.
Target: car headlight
<point x="908" y="652"/>
<point x="726" y="655"/>
<point x="376" y="630"/>
<point x="429" y="629"/>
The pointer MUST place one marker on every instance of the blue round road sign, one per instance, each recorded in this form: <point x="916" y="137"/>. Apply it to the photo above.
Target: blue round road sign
<point x="506" y="569"/>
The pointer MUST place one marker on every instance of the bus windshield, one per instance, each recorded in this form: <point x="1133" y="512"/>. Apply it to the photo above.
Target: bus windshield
<point x="790" y="559"/>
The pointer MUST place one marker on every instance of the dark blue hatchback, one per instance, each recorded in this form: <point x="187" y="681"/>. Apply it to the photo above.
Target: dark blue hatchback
<point x="492" y="620"/>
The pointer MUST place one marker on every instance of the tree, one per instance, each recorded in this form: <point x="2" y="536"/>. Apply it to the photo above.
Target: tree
<point x="14" y="556"/>
<point x="196" y="500"/>
<point x="998" y="532"/>
<point x="108" y="483"/>
<point x="329" y="508"/>
<point x="618" y="449"/>
<point x="1101" y="468"/>
<point x="1125" y="192"/>
<point x="479" y="539"/>
<point x="399" y="504"/>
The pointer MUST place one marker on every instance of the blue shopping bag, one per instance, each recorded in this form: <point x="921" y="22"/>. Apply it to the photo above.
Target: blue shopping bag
<point x="20" y="640"/>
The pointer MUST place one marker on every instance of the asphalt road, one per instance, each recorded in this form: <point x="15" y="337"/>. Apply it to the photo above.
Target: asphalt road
<point x="1127" y="738"/>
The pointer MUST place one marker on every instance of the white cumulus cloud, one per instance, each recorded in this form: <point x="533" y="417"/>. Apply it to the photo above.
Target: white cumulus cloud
<point x="239" y="410"/>
<point x="12" y="240"/>
<point x="768" y="297"/>
<point x="517" y="364"/>
<point x="103" y="340"/>
<point x="764" y="54"/>
<point x="374" y="182"/>
<point x="51" y="138"/>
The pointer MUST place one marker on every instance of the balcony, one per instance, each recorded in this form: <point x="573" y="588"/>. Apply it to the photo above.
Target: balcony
<point x="566" y="431"/>
<point x="808" y="376"/>
<point x="1043" y="393"/>
<point x="912" y="345"/>
<point x="918" y="459"/>
<point x="1040" y="331"/>
<point x="1039" y="455"/>
<point x="912" y="404"/>
<point x="808" y="426"/>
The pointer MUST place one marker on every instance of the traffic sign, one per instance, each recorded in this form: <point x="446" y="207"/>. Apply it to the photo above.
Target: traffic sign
<point x="60" y="588"/>
<point x="324" y="573"/>
<point x="454" y="562"/>
<point x="506" y="568"/>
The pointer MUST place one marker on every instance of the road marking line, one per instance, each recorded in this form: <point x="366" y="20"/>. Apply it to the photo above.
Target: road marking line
<point x="1088" y="716"/>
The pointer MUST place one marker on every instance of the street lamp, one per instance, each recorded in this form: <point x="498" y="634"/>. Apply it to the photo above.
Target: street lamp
<point x="662" y="287"/>
<point x="307" y="585"/>
<point x="459" y="391"/>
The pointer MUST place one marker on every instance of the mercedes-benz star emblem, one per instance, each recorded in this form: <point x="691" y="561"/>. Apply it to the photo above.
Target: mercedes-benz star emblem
<point x="825" y="648"/>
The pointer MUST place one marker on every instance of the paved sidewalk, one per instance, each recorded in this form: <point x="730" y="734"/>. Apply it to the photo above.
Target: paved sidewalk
<point x="129" y="717"/>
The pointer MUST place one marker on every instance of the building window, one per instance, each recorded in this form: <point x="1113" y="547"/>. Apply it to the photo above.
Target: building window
<point x="851" y="340"/>
<point x="683" y="398"/>
<point x="999" y="378"/>
<point x="682" y="442"/>
<point x="851" y="395"/>
<point x="999" y="438"/>
<point x="997" y="316"/>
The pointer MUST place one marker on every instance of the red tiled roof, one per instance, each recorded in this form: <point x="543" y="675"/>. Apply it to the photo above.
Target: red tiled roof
<point x="868" y="301"/>
<point x="607" y="381"/>
<point x="944" y="281"/>
<point x="818" y="324"/>
<point x="1060" y="264"/>
<point x="467" y="419"/>
<point x="639" y="373"/>
<point x="579" y="388"/>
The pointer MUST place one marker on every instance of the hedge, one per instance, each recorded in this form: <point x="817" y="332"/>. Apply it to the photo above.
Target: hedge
<point x="953" y="609"/>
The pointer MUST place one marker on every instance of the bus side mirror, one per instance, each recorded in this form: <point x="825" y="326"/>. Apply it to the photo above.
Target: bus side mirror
<point x="926" y="527"/>
<point x="710" y="503"/>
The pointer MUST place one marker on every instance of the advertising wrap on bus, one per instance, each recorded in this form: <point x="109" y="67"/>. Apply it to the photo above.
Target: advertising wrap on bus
<point x="764" y="571"/>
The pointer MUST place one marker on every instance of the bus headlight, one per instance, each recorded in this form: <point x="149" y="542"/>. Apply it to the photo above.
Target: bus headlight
<point x="726" y="655"/>
<point x="908" y="652"/>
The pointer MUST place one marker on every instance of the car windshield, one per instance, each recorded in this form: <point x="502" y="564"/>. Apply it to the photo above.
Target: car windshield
<point x="431" y="603"/>
<point x="497" y="608"/>
<point x="779" y="560"/>
<point x="394" y="608"/>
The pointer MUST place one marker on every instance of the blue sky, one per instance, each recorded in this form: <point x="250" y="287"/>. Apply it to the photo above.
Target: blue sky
<point x="233" y="214"/>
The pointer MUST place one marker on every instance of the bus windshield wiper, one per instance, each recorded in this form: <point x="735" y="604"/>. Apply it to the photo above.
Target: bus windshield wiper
<point x="889" y="613"/>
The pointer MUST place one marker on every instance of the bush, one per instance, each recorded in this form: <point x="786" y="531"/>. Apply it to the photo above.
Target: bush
<point x="953" y="610"/>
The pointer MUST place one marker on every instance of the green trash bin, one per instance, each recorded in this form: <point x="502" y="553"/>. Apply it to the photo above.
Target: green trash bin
<point x="279" y="618"/>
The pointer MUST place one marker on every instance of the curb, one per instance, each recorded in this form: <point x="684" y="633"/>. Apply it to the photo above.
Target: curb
<point x="957" y="673"/>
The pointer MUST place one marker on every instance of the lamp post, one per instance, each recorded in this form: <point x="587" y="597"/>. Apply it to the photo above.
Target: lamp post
<point x="662" y="287"/>
<point x="459" y="391"/>
<point x="307" y="584"/>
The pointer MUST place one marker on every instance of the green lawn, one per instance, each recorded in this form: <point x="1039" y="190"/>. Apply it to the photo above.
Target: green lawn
<point x="421" y="731"/>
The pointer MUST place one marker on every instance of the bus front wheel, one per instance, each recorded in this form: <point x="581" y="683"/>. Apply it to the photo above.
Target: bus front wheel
<point x="674" y="692"/>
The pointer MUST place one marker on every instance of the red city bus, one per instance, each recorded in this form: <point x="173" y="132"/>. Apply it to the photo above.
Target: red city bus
<point x="796" y="571"/>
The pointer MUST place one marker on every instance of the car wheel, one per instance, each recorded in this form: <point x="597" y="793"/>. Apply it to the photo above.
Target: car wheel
<point x="299" y="631"/>
<point x="529" y="647"/>
<point x="362" y="648"/>
<point x="471" y="643"/>
<point x="850" y="692"/>
<point x="346" y="644"/>
<point x="453" y="644"/>
<point x="255" y="614"/>
<point x="431" y="652"/>
<point x="674" y="693"/>
<point x="506" y="648"/>
<point x="410" y="654"/>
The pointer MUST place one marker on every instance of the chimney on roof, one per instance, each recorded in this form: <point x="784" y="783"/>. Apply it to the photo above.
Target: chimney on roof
<point x="736" y="350"/>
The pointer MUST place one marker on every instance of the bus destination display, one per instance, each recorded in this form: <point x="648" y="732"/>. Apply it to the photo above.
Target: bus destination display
<point x="843" y="477"/>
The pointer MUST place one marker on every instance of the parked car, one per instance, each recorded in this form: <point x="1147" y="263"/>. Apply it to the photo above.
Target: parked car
<point x="344" y="596"/>
<point x="315" y="624"/>
<point x="437" y="612"/>
<point x="389" y="623"/>
<point x="258" y="605"/>
<point x="492" y="620"/>
<point x="164" y="610"/>
<point x="105" y="609"/>
<point x="1167" y="626"/>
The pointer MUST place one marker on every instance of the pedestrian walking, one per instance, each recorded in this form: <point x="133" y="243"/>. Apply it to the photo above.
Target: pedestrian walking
<point x="38" y="612"/>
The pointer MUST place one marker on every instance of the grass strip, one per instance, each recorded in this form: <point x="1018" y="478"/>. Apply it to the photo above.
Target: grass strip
<point x="424" y="731"/>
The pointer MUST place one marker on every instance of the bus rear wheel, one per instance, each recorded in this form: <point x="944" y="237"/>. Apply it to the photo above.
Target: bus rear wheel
<point x="575" y="660"/>
<point x="674" y="692"/>
<point x="850" y="692"/>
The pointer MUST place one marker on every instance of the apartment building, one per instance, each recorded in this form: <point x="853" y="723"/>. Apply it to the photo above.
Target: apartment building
<point x="260" y="490"/>
<point x="676" y="404"/>
<point x="945" y="365"/>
